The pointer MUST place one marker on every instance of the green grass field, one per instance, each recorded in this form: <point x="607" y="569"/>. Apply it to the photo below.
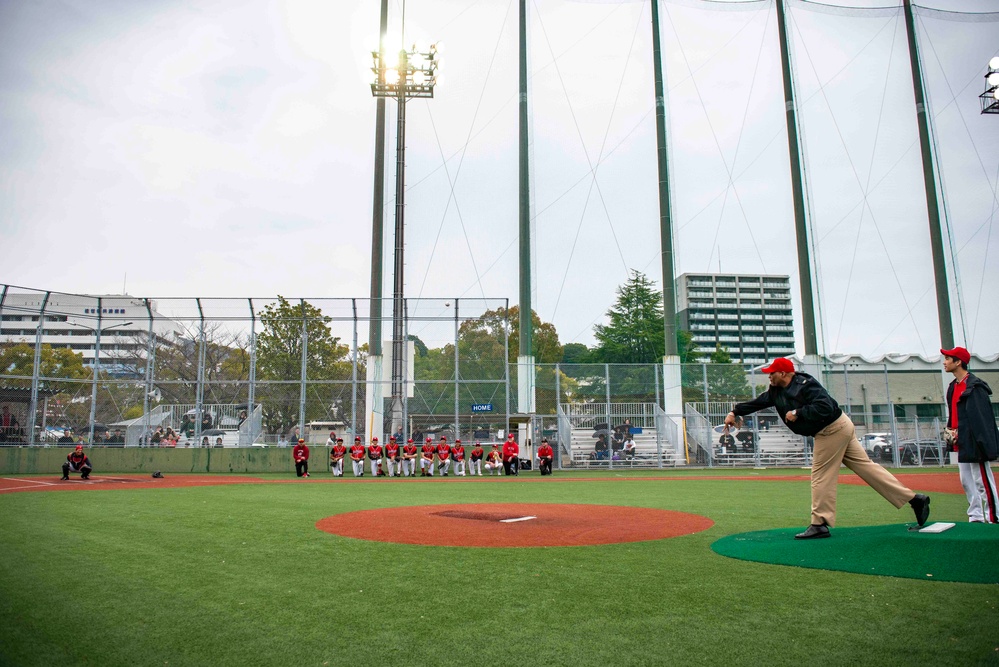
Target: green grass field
<point x="239" y="575"/>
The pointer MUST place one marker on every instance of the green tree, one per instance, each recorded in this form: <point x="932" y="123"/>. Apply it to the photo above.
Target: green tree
<point x="290" y="330"/>
<point x="635" y="331"/>
<point x="575" y="353"/>
<point x="726" y="380"/>
<point x="71" y="402"/>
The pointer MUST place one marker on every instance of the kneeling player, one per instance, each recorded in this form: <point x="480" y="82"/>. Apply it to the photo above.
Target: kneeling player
<point x="443" y="456"/>
<point x="545" y="457"/>
<point x="375" y="455"/>
<point x="494" y="461"/>
<point x="476" y="461"/>
<point x="409" y="454"/>
<point x="337" y="453"/>
<point x="458" y="456"/>
<point x="357" y="457"/>
<point x="427" y="459"/>
<point x="77" y="461"/>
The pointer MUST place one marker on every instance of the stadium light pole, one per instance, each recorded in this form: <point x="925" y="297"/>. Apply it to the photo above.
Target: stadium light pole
<point x="412" y="75"/>
<point x="990" y="98"/>
<point x="97" y="367"/>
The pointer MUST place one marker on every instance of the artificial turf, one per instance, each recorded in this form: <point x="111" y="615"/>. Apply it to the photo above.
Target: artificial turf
<point x="240" y="575"/>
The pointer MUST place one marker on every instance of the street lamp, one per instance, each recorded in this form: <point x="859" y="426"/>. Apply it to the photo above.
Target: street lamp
<point x="409" y="74"/>
<point x="97" y="366"/>
<point x="990" y="98"/>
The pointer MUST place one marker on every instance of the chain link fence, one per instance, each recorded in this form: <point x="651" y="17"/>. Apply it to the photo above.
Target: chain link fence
<point x="213" y="372"/>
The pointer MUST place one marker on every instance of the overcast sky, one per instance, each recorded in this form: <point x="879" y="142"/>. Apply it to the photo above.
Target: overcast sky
<point x="226" y="149"/>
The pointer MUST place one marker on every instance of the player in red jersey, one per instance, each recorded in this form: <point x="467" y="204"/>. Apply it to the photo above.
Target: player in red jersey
<point x="427" y="459"/>
<point x="545" y="457"/>
<point x="511" y="462"/>
<point x="443" y="456"/>
<point x="494" y="460"/>
<point x="301" y="455"/>
<point x="458" y="456"/>
<point x="357" y="457"/>
<point x="337" y="453"/>
<point x="77" y="461"/>
<point x="409" y="454"/>
<point x="476" y="461"/>
<point x="375" y="456"/>
<point x="393" y="457"/>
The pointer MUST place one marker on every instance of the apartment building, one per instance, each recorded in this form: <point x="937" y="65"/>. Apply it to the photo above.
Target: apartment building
<point x="749" y="315"/>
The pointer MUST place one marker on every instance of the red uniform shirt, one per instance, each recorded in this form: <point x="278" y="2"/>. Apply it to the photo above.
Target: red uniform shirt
<point x="459" y="452"/>
<point x="357" y="451"/>
<point x="428" y="451"/>
<point x="374" y="452"/>
<point x="958" y="390"/>
<point x="392" y="450"/>
<point x="77" y="458"/>
<point x="409" y="450"/>
<point x="545" y="452"/>
<point x="476" y="453"/>
<point x="443" y="451"/>
<point x="300" y="452"/>
<point x="510" y="450"/>
<point x="338" y="452"/>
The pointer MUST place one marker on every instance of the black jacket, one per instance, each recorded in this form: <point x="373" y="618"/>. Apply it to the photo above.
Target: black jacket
<point x="977" y="436"/>
<point x="816" y="409"/>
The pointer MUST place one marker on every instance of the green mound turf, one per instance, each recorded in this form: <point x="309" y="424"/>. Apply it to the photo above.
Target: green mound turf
<point x="966" y="552"/>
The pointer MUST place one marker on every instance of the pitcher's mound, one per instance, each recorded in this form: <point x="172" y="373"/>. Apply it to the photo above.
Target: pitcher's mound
<point x="513" y="525"/>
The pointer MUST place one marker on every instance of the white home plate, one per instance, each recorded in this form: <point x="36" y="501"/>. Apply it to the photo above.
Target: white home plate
<point x="520" y="518"/>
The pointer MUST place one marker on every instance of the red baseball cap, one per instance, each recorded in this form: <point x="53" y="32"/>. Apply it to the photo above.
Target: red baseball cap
<point x="410" y="440"/>
<point x="79" y="446"/>
<point x="457" y="440"/>
<point x="444" y="438"/>
<point x="959" y="353"/>
<point x="301" y="440"/>
<point x="374" y="439"/>
<point x="429" y="439"/>
<point x="779" y="365"/>
<point x="509" y="435"/>
<point x="357" y="438"/>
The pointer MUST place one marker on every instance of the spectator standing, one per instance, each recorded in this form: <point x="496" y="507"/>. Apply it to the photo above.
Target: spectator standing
<point x="972" y="427"/>
<point x="66" y="438"/>
<point x="511" y="452"/>
<point x="10" y="429"/>
<point x="117" y="438"/>
<point x="301" y="455"/>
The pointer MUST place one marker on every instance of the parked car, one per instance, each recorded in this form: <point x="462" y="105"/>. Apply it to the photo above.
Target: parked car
<point x="877" y="445"/>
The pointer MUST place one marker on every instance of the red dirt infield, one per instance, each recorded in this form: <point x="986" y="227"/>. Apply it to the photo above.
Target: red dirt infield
<point x="946" y="482"/>
<point x="532" y="525"/>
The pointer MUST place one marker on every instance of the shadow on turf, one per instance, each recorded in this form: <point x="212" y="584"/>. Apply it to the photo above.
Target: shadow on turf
<point x="965" y="553"/>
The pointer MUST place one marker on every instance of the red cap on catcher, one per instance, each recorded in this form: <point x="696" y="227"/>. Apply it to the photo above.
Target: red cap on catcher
<point x="79" y="446"/>
<point x="301" y="441"/>
<point x="959" y="353"/>
<point x="779" y="365"/>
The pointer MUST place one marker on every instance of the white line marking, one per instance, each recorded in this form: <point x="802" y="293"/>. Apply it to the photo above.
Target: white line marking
<point x="31" y="481"/>
<point x="17" y="488"/>
<point x="522" y="518"/>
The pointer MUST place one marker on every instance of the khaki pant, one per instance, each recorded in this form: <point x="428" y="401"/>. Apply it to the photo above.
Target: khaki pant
<point x="837" y="444"/>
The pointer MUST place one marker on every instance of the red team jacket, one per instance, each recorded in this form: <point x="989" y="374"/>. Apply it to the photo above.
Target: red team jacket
<point x="443" y="451"/>
<point x="459" y="452"/>
<point x="428" y="451"/>
<point x="545" y="452"/>
<point x="375" y="452"/>
<point x="410" y="449"/>
<point x="357" y="451"/>
<point x="338" y="452"/>
<point x="476" y="453"/>
<point x="300" y="453"/>
<point x="392" y="450"/>
<point x="510" y="450"/>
